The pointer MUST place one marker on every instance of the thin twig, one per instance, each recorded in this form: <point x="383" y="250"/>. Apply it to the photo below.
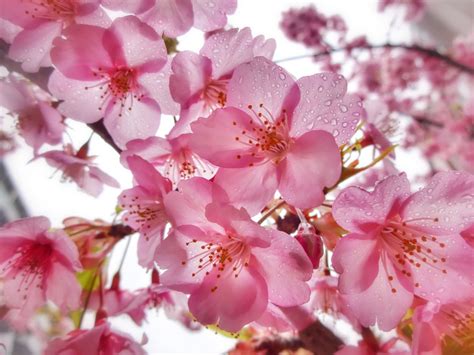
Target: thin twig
<point x="416" y="48"/>
<point x="270" y="211"/>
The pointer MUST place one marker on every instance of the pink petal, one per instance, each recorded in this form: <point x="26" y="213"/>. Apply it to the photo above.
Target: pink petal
<point x="251" y="188"/>
<point x="356" y="259"/>
<point x="28" y="228"/>
<point x="426" y="338"/>
<point x="43" y="125"/>
<point x="81" y="52"/>
<point x="285" y="268"/>
<point x="238" y="221"/>
<point x="312" y="163"/>
<point x="444" y="206"/>
<point x="171" y="254"/>
<point x="13" y="98"/>
<point x="148" y="246"/>
<point x="103" y="177"/>
<point x="358" y="210"/>
<point x="147" y="177"/>
<point x="190" y="75"/>
<point x="153" y="149"/>
<point x="188" y="206"/>
<point x="324" y="105"/>
<point x="451" y="271"/>
<point x="235" y="303"/>
<point x="133" y="7"/>
<point x="32" y="47"/>
<point x="137" y="43"/>
<point x="8" y="30"/>
<point x="226" y="149"/>
<point x="65" y="248"/>
<point x="79" y="103"/>
<point x="158" y="87"/>
<point x="212" y="15"/>
<point x="142" y="121"/>
<point x="264" y="48"/>
<point x="227" y="50"/>
<point x="256" y="83"/>
<point x="171" y="18"/>
<point x="378" y="304"/>
<point x="63" y="288"/>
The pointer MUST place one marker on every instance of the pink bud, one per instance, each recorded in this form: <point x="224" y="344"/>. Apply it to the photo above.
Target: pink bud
<point x="311" y="243"/>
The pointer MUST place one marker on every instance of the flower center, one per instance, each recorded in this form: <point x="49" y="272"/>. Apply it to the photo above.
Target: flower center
<point x="118" y="86"/>
<point x="184" y="164"/>
<point x="227" y="257"/>
<point x="412" y="248"/>
<point x="53" y="10"/>
<point x="269" y="136"/>
<point x="215" y="94"/>
<point x="29" y="263"/>
<point x="144" y="215"/>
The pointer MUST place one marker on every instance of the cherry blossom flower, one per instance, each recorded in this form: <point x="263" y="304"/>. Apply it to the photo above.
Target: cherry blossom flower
<point x="99" y="340"/>
<point x="227" y="262"/>
<point x="401" y="244"/>
<point x="144" y="208"/>
<point x="120" y="80"/>
<point x="309" y="26"/>
<point x="42" y="21"/>
<point x="444" y="329"/>
<point x="38" y="121"/>
<point x="271" y="131"/>
<point x="173" y="157"/>
<point x="199" y="81"/>
<point x="37" y="265"/>
<point x="78" y="167"/>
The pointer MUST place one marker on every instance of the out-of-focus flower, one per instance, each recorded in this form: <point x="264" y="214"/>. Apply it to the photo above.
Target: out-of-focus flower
<point x="37" y="265"/>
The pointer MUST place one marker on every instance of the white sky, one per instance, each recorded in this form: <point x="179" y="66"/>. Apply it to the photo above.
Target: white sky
<point x="47" y="196"/>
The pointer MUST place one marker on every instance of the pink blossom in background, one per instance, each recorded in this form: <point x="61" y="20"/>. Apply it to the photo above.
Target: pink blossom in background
<point x="463" y="49"/>
<point x="144" y="209"/>
<point x="37" y="265"/>
<point x="173" y="157"/>
<point x="414" y="9"/>
<point x="38" y="121"/>
<point x="309" y="26"/>
<point x="237" y="290"/>
<point x="199" y="81"/>
<point x="118" y="80"/>
<point x="78" y="167"/>
<point x="42" y="22"/>
<point x="447" y="328"/>
<point x="271" y="130"/>
<point x="99" y="340"/>
<point x="402" y="244"/>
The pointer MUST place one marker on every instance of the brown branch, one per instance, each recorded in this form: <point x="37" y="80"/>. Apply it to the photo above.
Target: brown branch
<point x="415" y="48"/>
<point x="320" y="340"/>
<point x="41" y="78"/>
